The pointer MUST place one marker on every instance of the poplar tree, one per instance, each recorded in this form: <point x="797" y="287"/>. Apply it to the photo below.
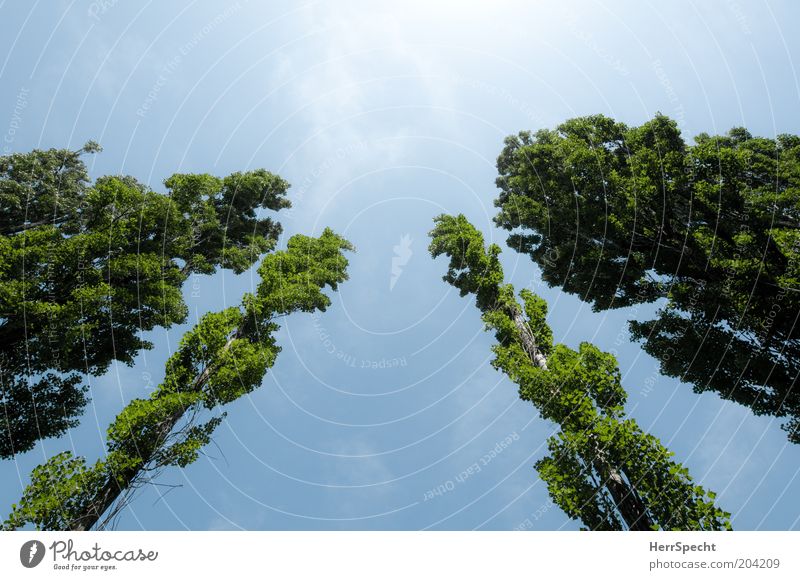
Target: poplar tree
<point x="224" y="357"/>
<point x="622" y="215"/>
<point x="602" y="469"/>
<point x="86" y="267"/>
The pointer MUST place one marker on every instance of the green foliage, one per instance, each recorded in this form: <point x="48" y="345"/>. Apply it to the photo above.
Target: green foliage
<point x="536" y="312"/>
<point x="473" y="269"/>
<point x="224" y="357"/>
<point x="574" y="487"/>
<point x="31" y="406"/>
<point x="602" y="468"/>
<point x="187" y="449"/>
<point x="665" y="487"/>
<point x="586" y="381"/>
<point x="142" y="427"/>
<point x="59" y="491"/>
<point x="293" y="280"/>
<point x="86" y="268"/>
<point x="623" y="215"/>
<point x="42" y="186"/>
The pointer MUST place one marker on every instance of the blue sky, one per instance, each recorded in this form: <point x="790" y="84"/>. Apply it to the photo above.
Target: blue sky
<point x="383" y="115"/>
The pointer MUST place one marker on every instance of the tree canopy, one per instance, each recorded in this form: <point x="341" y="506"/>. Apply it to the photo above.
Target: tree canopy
<point x="622" y="215"/>
<point x="86" y="267"/>
<point x="603" y="469"/>
<point x="224" y="357"/>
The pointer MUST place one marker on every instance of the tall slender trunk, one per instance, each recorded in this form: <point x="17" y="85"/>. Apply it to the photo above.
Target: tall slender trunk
<point x="626" y="498"/>
<point x="113" y="488"/>
<point x="529" y="340"/>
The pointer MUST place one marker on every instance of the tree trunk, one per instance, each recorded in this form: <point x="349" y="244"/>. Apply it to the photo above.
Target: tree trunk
<point x="112" y="489"/>
<point x="626" y="498"/>
<point x="529" y="341"/>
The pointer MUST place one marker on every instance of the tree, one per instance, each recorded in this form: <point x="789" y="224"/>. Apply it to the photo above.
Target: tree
<point x="224" y="357"/>
<point x="86" y="268"/>
<point x="602" y="469"/>
<point x="627" y="215"/>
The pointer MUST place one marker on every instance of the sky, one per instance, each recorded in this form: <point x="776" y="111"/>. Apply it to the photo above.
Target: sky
<point x="383" y="115"/>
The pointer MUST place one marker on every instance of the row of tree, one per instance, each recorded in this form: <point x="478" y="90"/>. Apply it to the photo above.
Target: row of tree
<point x="602" y="468"/>
<point x="623" y="215"/>
<point x="617" y="215"/>
<point x="86" y="268"/>
<point x="224" y="357"/>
